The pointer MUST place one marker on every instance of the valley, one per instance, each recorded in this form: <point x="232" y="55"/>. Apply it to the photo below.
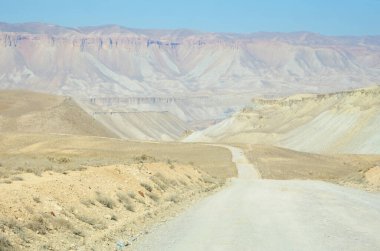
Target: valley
<point x="139" y="139"/>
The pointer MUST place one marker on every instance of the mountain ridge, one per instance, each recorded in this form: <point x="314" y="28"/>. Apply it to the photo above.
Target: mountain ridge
<point x="118" y="60"/>
<point x="113" y="61"/>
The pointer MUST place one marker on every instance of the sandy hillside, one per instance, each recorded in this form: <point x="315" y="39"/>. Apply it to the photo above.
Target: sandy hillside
<point x="161" y="126"/>
<point x="36" y="153"/>
<point x="360" y="171"/>
<point x="77" y="192"/>
<point x="345" y="122"/>
<point x="24" y="111"/>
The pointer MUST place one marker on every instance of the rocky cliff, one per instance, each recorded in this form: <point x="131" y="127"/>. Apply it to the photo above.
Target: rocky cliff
<point x="115" y="61"/>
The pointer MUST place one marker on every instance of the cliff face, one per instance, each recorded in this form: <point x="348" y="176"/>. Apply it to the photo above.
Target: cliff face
<point x="114" y="61"/>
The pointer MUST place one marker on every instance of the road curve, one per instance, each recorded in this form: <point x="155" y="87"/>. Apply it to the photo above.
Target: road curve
<point x="255" y="214"/>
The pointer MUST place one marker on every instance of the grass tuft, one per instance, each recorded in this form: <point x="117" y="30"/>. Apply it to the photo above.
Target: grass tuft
<point x="5" y="244"/>
<point x="105" y="200"/>
<point x="37" y="199"/>
<point x="154" y="197"/>
<point x="147" y="187"/>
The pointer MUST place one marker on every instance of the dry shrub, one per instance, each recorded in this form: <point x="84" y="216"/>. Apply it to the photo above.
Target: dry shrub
<point x="139" y="200"/>
<point x="147" y="187"/>
<point x="17" y="178"/>
<point x="143" y="158"/>
<point x="37" y="199"/>
<point x="94" y="222"/>
<point x="132" y="195"/>
<point x="59" y="160"/>
<point x="173" y="198"/>
<point x="12" y="224"/>
<point x="173" y="182"/>
<point x="170" y="163"/>
<point x="39" y="224"/>
<point x="160" y="180"/>
<point x="79" y="232"/>
<point x="124" y="199"/>
<point x="154" y="197"/>
<point x="209" y="180"/>
<point x="105" y="200"/>
<point x="5" y="244"/>
<point x="87" y="202"/>
<point x="61" y="223"/>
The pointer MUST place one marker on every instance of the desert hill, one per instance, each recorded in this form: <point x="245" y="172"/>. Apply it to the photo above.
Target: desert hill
<point x="344" y="122"/>
<point x="73" y="191"/>
<point x="162" y="126"/>
<point x="31" y="112"/>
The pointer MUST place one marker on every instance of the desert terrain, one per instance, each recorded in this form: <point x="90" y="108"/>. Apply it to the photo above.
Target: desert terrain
<point x="125" y="139"/>
<point x="265" y="214"/>
<point x="68" y="183"/>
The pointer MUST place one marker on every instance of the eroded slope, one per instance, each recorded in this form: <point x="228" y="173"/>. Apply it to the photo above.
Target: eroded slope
<point x="24" y="111"/>
<point x="346" y="122"/>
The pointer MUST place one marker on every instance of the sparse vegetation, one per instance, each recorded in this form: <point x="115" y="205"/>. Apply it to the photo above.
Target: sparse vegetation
<point x="170" y="163"/>
<point x="208" y="179"/>
<point x="173" y="198"/>
<point x="87" y="202"/>
<point x="105" y="200"/>
<point x="121" y="193"/>
<point x="94" y="222"/>
<point x="130" y="207"/>
<point x="143" y="158"/>
<point x="58" y="160"/>
<point x="17" y="178"/>
<point x="139" y="200"/>
<point x="132" y="195"/>
<point x="15" y="226"/>
<point x="38" y="225"/>
<point x="126" y="201"/>
<point x="154" y="197"/>
<point x="160" y="181"/>
<point x="37" y="199"/>
<point x="123" y="198"/>
<point x="147" y="187"/>
<point x="5" y="244"/>
<point x="79" y="232"/>
<point x="173" y="182"/>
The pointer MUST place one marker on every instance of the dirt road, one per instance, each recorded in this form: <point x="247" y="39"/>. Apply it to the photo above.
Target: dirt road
<point x="255" y="214"/>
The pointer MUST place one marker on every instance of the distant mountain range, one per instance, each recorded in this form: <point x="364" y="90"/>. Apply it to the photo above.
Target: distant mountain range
<point x="108" y="61"/>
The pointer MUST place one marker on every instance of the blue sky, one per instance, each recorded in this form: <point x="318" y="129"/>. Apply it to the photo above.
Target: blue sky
<point x="330" y="17"/>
